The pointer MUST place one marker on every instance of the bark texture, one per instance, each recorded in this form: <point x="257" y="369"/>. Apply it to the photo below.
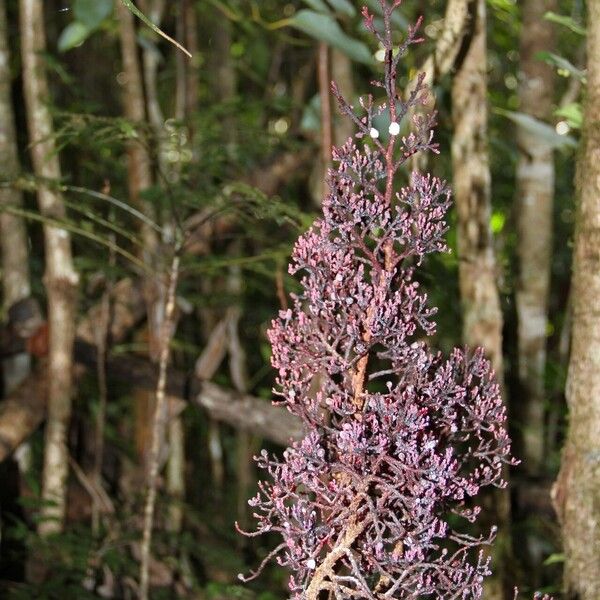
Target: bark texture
<point x="482" y="315"/>
<point x="535" y="193"/>
<point x="577" y="491"/>
<point x="22" y="412"/>
<point x="13" y="237"/>
<point x="60" y="277"/>
<point x="25" y="408"/>
<point x="470" y="164"/>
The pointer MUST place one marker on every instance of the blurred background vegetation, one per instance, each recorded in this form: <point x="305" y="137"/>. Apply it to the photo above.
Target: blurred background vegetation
<point x="228" y="147"/>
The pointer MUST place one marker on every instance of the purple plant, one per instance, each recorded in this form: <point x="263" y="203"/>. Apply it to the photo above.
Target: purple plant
<point x="376" y="500"/>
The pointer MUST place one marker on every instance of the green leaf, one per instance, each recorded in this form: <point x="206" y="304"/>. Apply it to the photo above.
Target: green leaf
<point x="497" y="222"/>
<point x="572" y="113"/>
<point x="326" y="29"/>
<point x="539" y="129"/>
<point x="73" y="35"/>
<point x="140" y="15"/>
<point x="311" y="117"/>
<point x="92" y="12"/>
<point x="554" y="559"/>
<point x="318" y="5"/>
<point x="343" y="7"/>
<point x="561" y="63"/>
<point x="565" y="21"/>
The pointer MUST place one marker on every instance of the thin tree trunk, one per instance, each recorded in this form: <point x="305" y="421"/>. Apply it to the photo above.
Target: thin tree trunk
<point x="13" y="236"/>
<point x="158" y="429"/>
<point x="138" y="159"/>
<point x="206" y="366"/>
<point x="140" y="167"/>
<point x="482" y="316"/>
<point x="470" y="162"/>
<point x="325" y="96"/>
<point x="341" y="73"/>
<point x="192" y="86"/>
<point x="60" y="278"/>
<point x="239" y="377"/>
<point x="139" y="180"/>
<point x="535" y="193"/>
<point x="577" y="491"/>
<point x="175" y="481"/>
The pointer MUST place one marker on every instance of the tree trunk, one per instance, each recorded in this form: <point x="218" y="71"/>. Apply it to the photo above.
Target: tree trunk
<point x="140" y="179"/>
<point x="138" y="160"/>
<point x="341" y="73"/>
<point x="60" y="278"/>
<point x="482" y="316"/>
<point x="535" y="192"/>
<point x="577" y="491"/>
<point x="470" y="163"/>
<point x="13" y="235"/>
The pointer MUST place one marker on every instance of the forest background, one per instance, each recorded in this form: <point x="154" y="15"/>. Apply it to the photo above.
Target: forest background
<point x="149" y="202"/>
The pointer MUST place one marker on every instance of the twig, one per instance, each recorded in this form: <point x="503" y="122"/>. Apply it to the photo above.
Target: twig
<point x="101" y="343"/>
<point x="157" y="428"/>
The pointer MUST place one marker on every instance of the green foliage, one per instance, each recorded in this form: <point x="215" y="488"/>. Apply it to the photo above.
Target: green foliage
<point x="565" y="21"/>
<point x="92" y="12"/>
<point x="563" y="65"/>
<point x="73" y="35"/>
<point x="573" y="114"/>
<point x="89" y="16"/>
<point x="325" y="28"/>
<point x="544" y="132"/>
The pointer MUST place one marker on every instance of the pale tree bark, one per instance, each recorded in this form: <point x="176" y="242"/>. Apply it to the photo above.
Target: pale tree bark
<point x="160" y="416"/>
<point x="535" y="193"/>
<point x="175" y="480"/>
<point x="13" y="236"/>
<point x="138" y="159"/>
<point x="60" y="278"/>
<point x="140" y="179"/>
<point x="577" y="491"/>
<point x="440" y="61"/>
<point x="482" y="316"/>
<point x="140" y="167"/>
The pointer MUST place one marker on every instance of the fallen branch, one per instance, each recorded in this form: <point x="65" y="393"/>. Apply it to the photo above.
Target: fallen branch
<point x="23" y="411"/>
<point x="249" y="413"/>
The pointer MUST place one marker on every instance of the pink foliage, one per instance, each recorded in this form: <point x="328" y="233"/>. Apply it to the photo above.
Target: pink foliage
<point x="378" y="499"/>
